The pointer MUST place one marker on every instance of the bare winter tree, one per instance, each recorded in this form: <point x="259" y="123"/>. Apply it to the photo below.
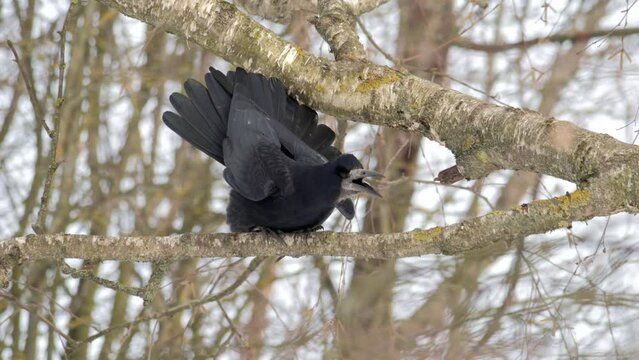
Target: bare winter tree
<point x="529" y="111"/>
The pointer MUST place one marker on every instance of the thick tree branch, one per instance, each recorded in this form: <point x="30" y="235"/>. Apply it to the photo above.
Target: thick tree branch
<point x="537" y="217"/>
<point x="483" y="137"/>
<point x="336" y="23"/>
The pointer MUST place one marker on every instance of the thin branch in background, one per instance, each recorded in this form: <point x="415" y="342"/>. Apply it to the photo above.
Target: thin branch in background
<point x="463" y="83"/>
<point x="176" y="309"/>
<point x="633" y="121"/>
<point x="146" y="293"/>
<point x="544" y="16"/>
<point x="622" y="53"/>
<point x="615" y="31"/>
<point x="232" y="326"/>
<point x="495" y="323"/>
<point x="370" y="38"/>
<point x="10" y="298"/>
<point x="556" y="38"/>
<point x="467" y="28"/>
<point x="478" y="194"/>
<point x="610" y="328"/>
<point x="39" y="227"/>
<point x="37" y="107"/>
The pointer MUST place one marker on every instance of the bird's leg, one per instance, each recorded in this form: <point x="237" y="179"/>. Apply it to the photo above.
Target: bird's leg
<point x="278" y="234"/>
<point x="272" y="232"/>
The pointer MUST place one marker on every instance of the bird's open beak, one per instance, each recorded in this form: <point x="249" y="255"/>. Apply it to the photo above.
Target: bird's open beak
<point x="356" y="182"/>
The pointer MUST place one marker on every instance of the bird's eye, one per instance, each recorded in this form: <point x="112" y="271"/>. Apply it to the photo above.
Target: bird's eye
<point x="343" y="172"/>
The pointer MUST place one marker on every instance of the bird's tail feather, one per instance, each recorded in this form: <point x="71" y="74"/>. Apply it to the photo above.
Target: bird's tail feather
<point x="203" y="114"/>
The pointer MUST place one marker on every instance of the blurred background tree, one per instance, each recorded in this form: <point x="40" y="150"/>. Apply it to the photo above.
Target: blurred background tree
<point x="569" y="293"/>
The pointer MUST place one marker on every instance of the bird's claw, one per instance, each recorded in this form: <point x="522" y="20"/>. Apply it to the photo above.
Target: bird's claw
<point x="278" y="234"/>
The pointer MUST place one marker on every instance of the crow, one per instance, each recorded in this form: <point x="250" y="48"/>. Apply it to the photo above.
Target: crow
<point x="284" y="174"/>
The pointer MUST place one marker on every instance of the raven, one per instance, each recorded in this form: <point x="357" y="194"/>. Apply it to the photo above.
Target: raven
<point x="284" y="174"/>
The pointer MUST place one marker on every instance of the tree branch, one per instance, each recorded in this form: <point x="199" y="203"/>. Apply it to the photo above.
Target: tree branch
<point x="483" y="137"/>
<point x="40" y="225"/>
<point x="575" y="36"/>
<point x="28" y="82"/>
<point x="282" y="11"/>
<point x="533" y="218"/>
<point x="189" y="305"/>
<point x="336" y="23"/>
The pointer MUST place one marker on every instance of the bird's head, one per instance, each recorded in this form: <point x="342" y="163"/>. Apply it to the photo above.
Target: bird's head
<point x="352" y="173"/>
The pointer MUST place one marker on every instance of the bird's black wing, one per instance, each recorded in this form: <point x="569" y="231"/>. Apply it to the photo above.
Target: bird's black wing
<point x="201" y="121"/>
<point x="296" y="125"/>
<point x="256" y="167"/>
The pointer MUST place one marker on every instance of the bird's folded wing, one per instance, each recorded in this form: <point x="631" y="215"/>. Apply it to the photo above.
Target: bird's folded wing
<point x="296" y="125"/>
<point x="256" y="166"/>
<point x="295" y="148"/>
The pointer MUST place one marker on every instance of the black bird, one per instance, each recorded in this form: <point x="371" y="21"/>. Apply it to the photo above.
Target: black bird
<point x="284" y="174"/>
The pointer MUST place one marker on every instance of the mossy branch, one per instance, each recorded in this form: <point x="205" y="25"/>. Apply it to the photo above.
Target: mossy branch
<point x="498" y="226"/>
<point x="484" y="137"/>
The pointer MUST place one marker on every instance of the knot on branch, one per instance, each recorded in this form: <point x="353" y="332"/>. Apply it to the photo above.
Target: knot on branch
<point x="474" y="165"/>
<point x="10" y="258"/>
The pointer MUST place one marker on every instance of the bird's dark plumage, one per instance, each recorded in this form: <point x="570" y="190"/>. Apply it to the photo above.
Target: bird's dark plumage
<point x="280" y="164"/>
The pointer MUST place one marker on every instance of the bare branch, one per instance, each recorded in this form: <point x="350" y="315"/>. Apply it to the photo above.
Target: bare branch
<point x="146" y="293"/>
<point x="189" y="305"/>
<point x="40" y="225"/>
<point x="576" y="36"/>
<point x="33" y="309"/>
<point x="533" y="218"/>
<point x="28" y="81"/>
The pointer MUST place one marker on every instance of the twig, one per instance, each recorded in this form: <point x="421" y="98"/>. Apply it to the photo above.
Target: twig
<point x="437" y="183"/>
<point x="39" y="226"/>
<point x="581" y="35"/>
<point x="370" y="38"/>
<point x="86" y="274"/>
<point x="234" y="329"/>
<point x="33" y="310"/>
<point x="37" y="107"/>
